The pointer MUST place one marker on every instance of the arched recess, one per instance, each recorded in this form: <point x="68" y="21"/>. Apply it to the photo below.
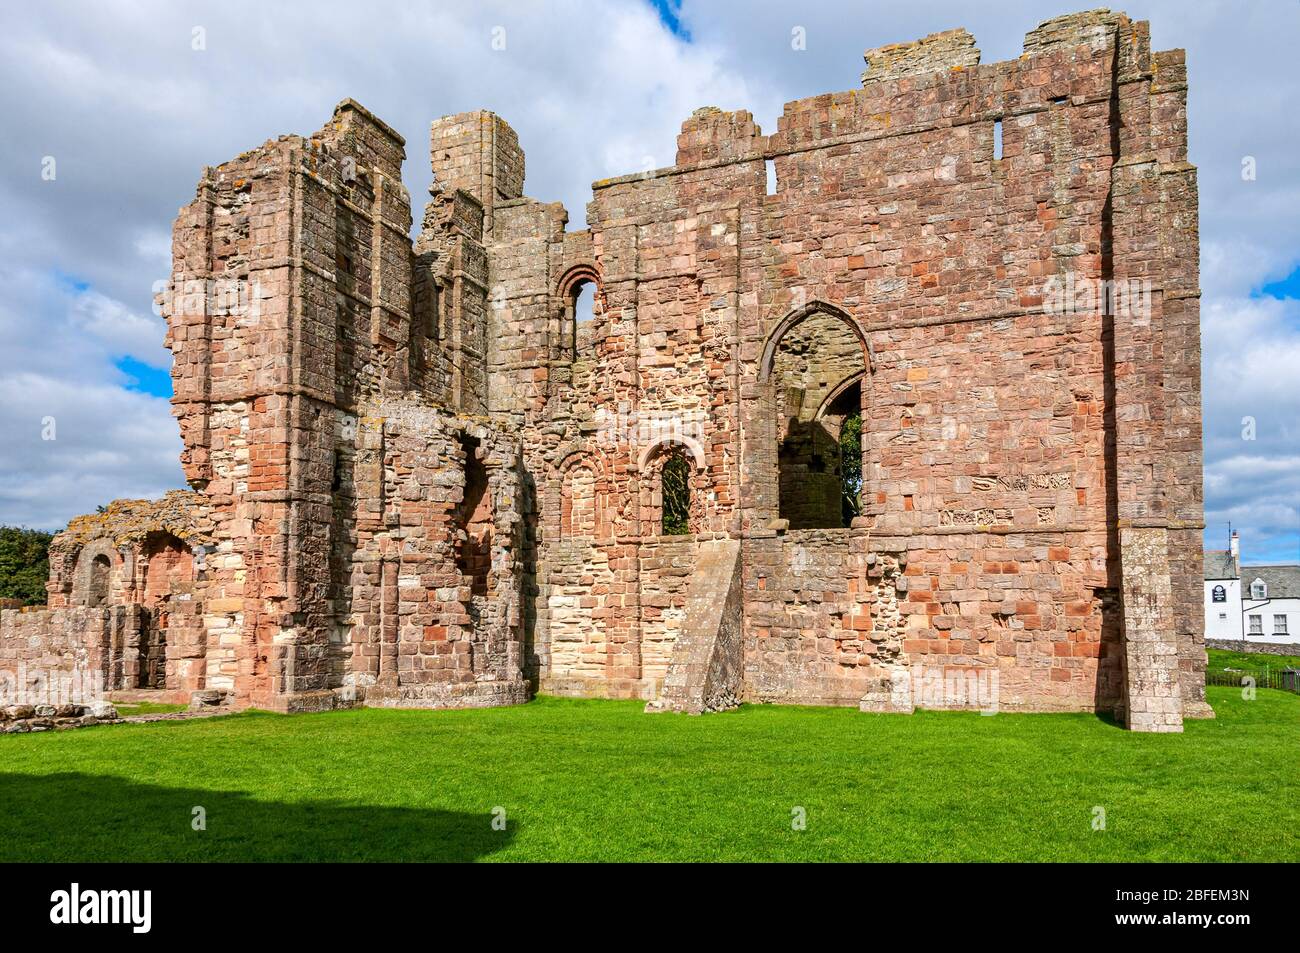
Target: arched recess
<point x="96" y="580"/>
<point x="166" y="570"/>
<point x="815" y="371"/>
<point x="569" y="290"/>
<point x="101" y="568"/>
<point x="475" y="519"/>
<point x="166" y="562"/>
<point x="680" y="458"/>
<point x="578" y="498"/>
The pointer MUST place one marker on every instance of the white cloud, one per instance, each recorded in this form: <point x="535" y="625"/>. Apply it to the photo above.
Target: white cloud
<point x="120" y="329"/>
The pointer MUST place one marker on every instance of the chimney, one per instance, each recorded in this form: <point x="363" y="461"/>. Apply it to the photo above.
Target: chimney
<point x="1234" y="546"/>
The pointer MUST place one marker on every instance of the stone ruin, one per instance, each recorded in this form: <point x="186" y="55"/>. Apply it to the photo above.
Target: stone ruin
<point x="418" y="479"/>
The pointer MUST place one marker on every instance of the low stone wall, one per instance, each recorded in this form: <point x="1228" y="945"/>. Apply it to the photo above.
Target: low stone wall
<point x="15" y="719"/>
<point x="1261" y="648"/>
<point x="54" y="657"/>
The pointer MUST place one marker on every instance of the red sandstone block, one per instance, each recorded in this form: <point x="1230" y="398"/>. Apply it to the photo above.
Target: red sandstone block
<point x="1060" y="674"/>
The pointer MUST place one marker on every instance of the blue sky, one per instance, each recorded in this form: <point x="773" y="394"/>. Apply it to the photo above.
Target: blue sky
<point x="130" y="109"/>
<point x="1288" y="287"/>
<point x="670" y="16"/>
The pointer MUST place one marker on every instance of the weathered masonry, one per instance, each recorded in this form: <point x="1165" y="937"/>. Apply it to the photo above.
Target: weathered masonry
<point x="920" y="427"/>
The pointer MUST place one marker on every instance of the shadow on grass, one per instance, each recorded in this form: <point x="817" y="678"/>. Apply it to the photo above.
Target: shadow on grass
<point x="1107" y="717"/>
<point x="81" y="817"/>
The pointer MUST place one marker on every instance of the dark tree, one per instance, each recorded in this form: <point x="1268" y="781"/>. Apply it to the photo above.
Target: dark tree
<point x="851" y="467"/>
<point x="24" y="564"/>
<point x="676" y="479"/>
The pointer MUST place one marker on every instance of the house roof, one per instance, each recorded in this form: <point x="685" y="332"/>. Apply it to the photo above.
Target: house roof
<point x="1283" y="581"/>
<point x="1219" y="564"/>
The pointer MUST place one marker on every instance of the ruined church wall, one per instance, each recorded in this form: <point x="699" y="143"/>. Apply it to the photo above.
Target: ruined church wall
<point x="986" y="415"/>
<point x="431" y="602"/>
<point x="1028" y="470"/>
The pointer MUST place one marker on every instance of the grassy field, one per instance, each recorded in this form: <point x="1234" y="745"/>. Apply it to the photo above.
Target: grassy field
<point x="1221" y="658"/>
<point x="598" y="780"/>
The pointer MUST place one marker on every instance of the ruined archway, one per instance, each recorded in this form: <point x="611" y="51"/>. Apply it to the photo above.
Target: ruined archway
<point x="166" y="581"/>
<point x="671" y="501"/>
<point x="815" y="364"/>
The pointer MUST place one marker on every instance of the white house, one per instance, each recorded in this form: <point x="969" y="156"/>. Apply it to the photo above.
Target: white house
<point x="1251" y="603"/>
<point x="1222" y="593"/>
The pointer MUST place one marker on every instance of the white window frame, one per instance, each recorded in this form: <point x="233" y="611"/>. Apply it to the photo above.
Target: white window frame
<point x="1258" y="590"/>
<point x="1256" y="625"/>
<point x="1279" y="624"/>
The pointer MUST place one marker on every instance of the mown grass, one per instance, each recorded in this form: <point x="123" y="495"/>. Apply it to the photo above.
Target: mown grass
<point x="599" y="780"/>
<point x="1222" y="658"/>
<point x="127" y="709"/>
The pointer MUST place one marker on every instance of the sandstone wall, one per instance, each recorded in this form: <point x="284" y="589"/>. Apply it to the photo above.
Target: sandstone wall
<point x="54" y="656"/>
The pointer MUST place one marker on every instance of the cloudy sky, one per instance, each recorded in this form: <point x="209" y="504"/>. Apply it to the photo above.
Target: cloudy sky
<point x="129" y="111"/>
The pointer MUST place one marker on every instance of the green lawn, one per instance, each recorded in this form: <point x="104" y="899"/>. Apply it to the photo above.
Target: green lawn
<point x="598" y="780"/>
<point x="127" y="709"/>
<point x="1221" y="659"/>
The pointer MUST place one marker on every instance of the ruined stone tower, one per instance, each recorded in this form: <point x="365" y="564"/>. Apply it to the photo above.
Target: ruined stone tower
<point x="422" y="481"/>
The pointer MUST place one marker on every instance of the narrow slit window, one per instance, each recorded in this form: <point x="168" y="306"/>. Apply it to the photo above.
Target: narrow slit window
<point x="997" y="139"/>
<point x="771" y="176"/>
